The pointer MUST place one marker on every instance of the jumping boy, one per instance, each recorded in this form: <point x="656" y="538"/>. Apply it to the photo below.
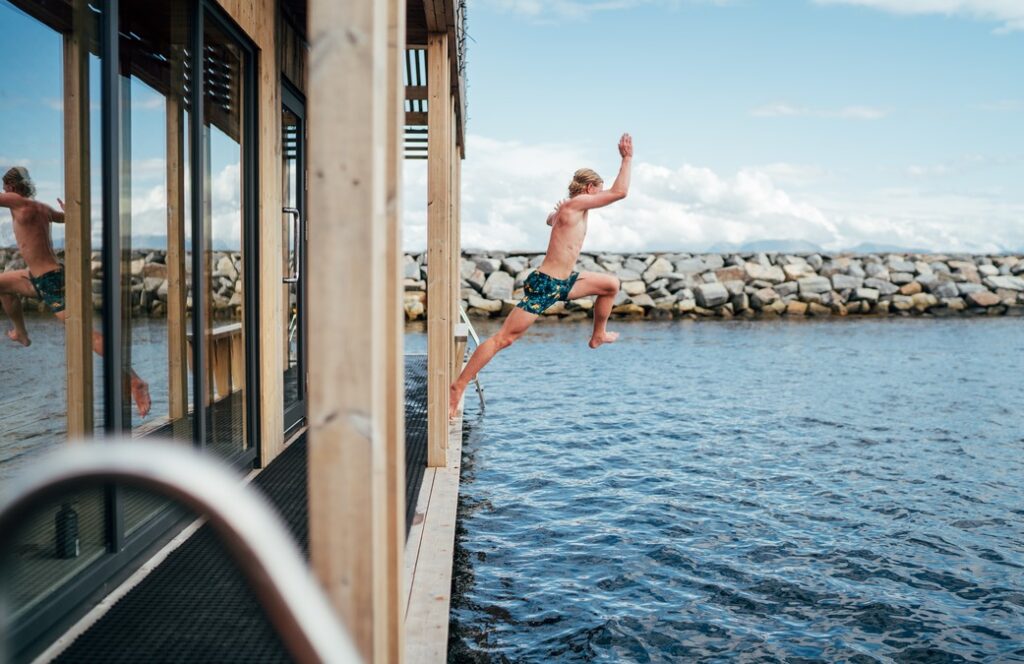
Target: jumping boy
<point x="44" y="277"/>
<point x="555" y="279"/>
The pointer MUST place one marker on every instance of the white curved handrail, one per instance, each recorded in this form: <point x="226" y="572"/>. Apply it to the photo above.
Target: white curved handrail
<point x="250" y="528"/>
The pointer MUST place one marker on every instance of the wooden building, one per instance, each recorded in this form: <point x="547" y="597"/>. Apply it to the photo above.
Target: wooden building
<point x="262" y="141"/>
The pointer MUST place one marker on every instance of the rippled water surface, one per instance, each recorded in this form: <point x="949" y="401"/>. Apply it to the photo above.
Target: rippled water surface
<point x="787" y="492"/>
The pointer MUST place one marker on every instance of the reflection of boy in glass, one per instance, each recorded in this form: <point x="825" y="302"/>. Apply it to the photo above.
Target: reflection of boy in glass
<point x="44" y="278"/>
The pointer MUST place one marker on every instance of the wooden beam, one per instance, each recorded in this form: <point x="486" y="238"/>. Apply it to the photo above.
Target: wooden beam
<point x="435" y="15"/>
<point x="347" y="379"/>
<point x="77" y="239"/>
<point x="394" y="406"/>
<point x="416" y="92"/>
<point x="417" y="119"/>
<point x="177" y="291"/>
<point x="454" y="273"/>
<point x="439" y="292"/>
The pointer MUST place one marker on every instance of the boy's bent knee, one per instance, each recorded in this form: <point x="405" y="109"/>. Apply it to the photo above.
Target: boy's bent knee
<point x="504" y="341"/>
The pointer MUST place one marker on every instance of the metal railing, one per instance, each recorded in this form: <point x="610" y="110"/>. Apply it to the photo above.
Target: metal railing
<point x="248" y="526"/>
<point x="476" y="341"/>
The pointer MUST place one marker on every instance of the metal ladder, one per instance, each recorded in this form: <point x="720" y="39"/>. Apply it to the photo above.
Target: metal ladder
<point x="252" y="532"/>
<point x="476" y="341"/>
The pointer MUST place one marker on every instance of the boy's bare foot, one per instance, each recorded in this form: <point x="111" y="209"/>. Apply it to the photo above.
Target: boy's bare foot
<point x="603" y="338"/>
<point x="19" y="337"/>
<point x="454" y="396"/>
<point x="140" y="395"/>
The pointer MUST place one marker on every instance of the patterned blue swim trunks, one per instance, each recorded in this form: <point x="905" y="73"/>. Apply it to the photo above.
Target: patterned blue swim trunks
<point x="542" y="290"/>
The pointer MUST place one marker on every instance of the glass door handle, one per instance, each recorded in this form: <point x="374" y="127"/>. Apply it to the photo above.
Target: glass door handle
<point x="296" y="230"/>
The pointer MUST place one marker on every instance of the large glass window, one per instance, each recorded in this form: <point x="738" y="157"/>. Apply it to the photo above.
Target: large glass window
<point x="223" y="112"/>
<point x="50" y="155"/>
<point x="59" y="259"/>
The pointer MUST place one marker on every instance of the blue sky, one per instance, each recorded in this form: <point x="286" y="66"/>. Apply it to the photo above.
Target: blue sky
<point x="885" y="121"/>
<point x="835" y="122"/>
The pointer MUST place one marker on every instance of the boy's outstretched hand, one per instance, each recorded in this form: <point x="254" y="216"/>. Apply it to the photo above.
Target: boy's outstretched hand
<point x="626" y="146"/>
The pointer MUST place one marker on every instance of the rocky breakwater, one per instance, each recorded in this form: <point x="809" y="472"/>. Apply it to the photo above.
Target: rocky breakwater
<point x="148" y="270"/>
<point x="762" y="285"/>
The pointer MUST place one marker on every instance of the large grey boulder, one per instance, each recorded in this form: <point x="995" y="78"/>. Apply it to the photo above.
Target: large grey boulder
<point x="499" y="286"/>
<point x="897" y="264"/>
<point x="901" y="278"/>
<point x="762" y="297"/>
<point x="988" y="270"/>
<point x="881" y="285"/>
<point x="659" y="267"/>
<point x="734" y="286"/>
<point x="1009" y="283"/>
<point x="713" y="261"/>
<point x="787" y="288"/>
<point x="484" y="304"/>
<point x="690" y="266"/>
<point x="864" y="294"/>
<point x="513" y="264"/>
<point x="967" y="288"/>
<point x="643" y="299"/>
<point x="846" y="281"/>
<point x="876" y="271"/>
<point x="626" y="274"/>
<point x="711" y="295"/>
<point x="770" y="273"/>
<point x="796" y="271"/>
<point x="814" y="284"/>
<point x="945" y="289"/>
<point x="636" y="265"/>
<point x="634" y="287"/>
<point x="488" y="265"/>
<point x="477" y="279"/>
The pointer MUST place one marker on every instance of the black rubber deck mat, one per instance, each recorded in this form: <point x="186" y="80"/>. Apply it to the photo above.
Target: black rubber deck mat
<point x="415" y="431"/>
<point x="196" y="606"/>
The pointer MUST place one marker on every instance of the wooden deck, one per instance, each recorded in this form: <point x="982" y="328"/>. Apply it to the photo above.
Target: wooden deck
<point x="429" y="554"/>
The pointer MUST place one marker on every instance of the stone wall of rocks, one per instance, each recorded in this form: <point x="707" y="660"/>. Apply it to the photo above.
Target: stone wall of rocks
<point x="763" y="285"/>
<point x="149" y="282"/>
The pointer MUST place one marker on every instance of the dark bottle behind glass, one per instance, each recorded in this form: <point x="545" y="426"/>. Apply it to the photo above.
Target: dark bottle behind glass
<point x="66" y="522"/>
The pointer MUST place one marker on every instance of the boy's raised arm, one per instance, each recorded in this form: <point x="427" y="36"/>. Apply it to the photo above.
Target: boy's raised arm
<point x="619" y="188"/>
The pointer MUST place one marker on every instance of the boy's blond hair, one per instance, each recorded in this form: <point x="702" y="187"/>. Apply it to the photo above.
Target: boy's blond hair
<point x="581" y="179"/>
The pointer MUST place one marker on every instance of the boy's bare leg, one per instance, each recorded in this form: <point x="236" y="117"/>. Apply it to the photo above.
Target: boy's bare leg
<point x="18" y="333"/>
<point x="14" y="284"/>
<point x="514" y="326"/>
<point x="602" y="310"/>
<point x="605" y="287"/>
<point x="138" y="387"/>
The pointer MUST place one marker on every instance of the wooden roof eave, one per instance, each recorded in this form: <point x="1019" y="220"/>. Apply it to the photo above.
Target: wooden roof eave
<point x="423" y="17"/>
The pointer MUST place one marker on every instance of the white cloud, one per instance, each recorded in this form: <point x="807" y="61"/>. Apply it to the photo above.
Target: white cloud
<point x="780" y="109"/>
<point x="509" y="187"/>
<point x="1010" y="13"/>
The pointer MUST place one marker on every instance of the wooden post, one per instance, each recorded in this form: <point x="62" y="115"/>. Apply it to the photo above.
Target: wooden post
<point x="394" y="406"/>
<point x="456" y="260"/>
<point x="439" y="291"/>
<point x="77" y="240"/>
<point x="348" y="268"/>
<point x="177" y="365"/>
<point x="457" y="246"/>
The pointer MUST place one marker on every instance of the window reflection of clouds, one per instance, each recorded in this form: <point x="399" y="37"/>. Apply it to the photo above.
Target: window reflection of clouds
<point x="31" y="118"/>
